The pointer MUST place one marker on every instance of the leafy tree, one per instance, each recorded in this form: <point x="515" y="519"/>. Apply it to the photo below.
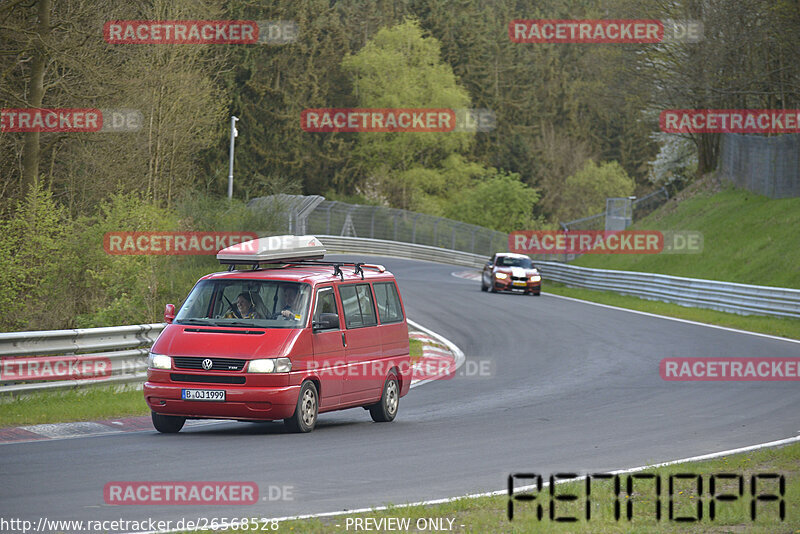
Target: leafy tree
<point x="31" y="245"/>
<point x="585" y="192"/>
<point x="401" y="68"/>
<point x="55" y="57"/>
<point x="676" y="163"/>
<point x="501" y="202"/>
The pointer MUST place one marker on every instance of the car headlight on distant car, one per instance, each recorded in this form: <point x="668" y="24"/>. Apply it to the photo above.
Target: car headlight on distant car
<point x="500" y="276"/>
<point x="536" y="278"/>
<point x="270" y="365"/>
<point x="158" y="361"/>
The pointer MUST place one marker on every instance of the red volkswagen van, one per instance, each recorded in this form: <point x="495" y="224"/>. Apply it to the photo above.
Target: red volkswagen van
<point x="281" y="335"/>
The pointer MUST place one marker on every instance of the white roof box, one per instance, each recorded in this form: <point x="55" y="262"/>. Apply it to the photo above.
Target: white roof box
<point x="273" y="249"/>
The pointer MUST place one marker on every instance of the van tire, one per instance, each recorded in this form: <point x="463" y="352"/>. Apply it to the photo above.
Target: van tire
<point x="305" y="414"/>
<point x="386" y="410"/>
<point x="167" y="424"/>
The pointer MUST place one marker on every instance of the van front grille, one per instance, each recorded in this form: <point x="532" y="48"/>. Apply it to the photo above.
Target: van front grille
<point x="218" y="364"/>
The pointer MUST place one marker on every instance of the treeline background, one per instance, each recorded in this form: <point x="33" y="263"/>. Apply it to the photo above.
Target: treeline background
<point x="575" y="123"/>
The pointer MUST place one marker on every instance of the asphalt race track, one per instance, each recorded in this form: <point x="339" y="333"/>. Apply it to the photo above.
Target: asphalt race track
<point x="574" y="387"/>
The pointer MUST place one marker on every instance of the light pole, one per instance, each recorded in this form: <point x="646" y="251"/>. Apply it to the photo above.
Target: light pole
<point x="234" y="133"/>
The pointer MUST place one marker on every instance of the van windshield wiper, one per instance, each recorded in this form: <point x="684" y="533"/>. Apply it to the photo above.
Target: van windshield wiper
<point x="204" y="322"/>
<point x="236" y="323"/>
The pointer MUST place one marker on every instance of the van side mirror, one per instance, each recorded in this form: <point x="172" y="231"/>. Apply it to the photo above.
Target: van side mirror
<point x="327" y="321"/>
<point x="169" y="313"/>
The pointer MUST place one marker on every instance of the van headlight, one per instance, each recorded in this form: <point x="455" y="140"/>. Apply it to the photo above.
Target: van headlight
<point x="158" y="361"/>
<point x="270" y="365"/>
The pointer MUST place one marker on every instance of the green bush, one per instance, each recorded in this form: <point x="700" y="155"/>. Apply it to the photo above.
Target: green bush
<point x="501" y="202"/>
<point x="31" y="243"/>
<point x="586" y="191"/>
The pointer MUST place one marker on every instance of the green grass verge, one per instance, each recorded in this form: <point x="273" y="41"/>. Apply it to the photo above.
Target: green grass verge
<point x="776" y="326"/>
<point x="88" y="404"/>
<point x="415" y="349"/>
<point x="748" y="238"/>
<point x="489" y="514"/>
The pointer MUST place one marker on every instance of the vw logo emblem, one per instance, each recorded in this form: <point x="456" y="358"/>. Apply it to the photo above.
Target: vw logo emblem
<point x="207" y="364"/>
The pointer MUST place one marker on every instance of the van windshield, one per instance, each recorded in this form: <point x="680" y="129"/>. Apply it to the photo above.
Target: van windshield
<point x="246" y="303"/>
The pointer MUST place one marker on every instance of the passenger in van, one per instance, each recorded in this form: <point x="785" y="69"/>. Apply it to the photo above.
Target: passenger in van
<point x="291" y="301"/>
<point x="247" y="309"/>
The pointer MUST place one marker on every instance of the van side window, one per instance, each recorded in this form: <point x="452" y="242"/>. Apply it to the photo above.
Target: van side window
<point x="357" y="304"/>
<point x="388" y="302"/>
<point x="326" y="303"/>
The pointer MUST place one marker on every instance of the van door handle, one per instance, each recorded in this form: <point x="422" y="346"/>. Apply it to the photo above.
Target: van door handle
<point x="344" y="341"/>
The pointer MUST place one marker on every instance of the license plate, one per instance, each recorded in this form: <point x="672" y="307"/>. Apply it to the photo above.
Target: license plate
<point x="204" y="394"/>
<point x="519" y="284"/>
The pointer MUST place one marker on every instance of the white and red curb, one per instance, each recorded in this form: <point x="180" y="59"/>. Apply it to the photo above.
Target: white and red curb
<point x="80" y="429"/>
<point x="467" y="275"/>
<point x="440" y="359"/>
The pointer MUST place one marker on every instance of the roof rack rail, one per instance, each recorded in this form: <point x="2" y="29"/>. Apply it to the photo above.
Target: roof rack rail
<point x="358" y="267"/>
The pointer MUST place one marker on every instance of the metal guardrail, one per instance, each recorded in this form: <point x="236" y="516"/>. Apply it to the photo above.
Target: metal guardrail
<point x="126" y="346"/>
<point x="378" y="247"/>
<point x="729" y="297"/>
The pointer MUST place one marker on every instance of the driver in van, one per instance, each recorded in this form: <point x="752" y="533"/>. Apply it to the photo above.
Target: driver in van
<point x="247" y="309"/>
<point x="291" y="300"/>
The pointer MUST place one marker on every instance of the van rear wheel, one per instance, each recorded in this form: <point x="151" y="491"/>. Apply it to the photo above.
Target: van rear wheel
<point x="386" y="410"/>
<point x="167" y="424"/>
<point x="305" y="414"/>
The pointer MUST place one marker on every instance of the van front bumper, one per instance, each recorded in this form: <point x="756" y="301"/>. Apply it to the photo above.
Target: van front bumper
<point x="251" y="403"/>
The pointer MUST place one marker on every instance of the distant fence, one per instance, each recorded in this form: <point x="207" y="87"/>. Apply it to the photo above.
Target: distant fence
<point x="326" y="217"/>
<point x="768" y="166"/>
<point x="640" y="207"/>
<point x="379" y="222"/>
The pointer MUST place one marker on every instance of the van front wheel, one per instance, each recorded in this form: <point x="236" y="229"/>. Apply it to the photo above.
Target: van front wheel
<point x="386" y="410"/>
<point x="305" y="414"/>
<point x="167" y="424"/>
